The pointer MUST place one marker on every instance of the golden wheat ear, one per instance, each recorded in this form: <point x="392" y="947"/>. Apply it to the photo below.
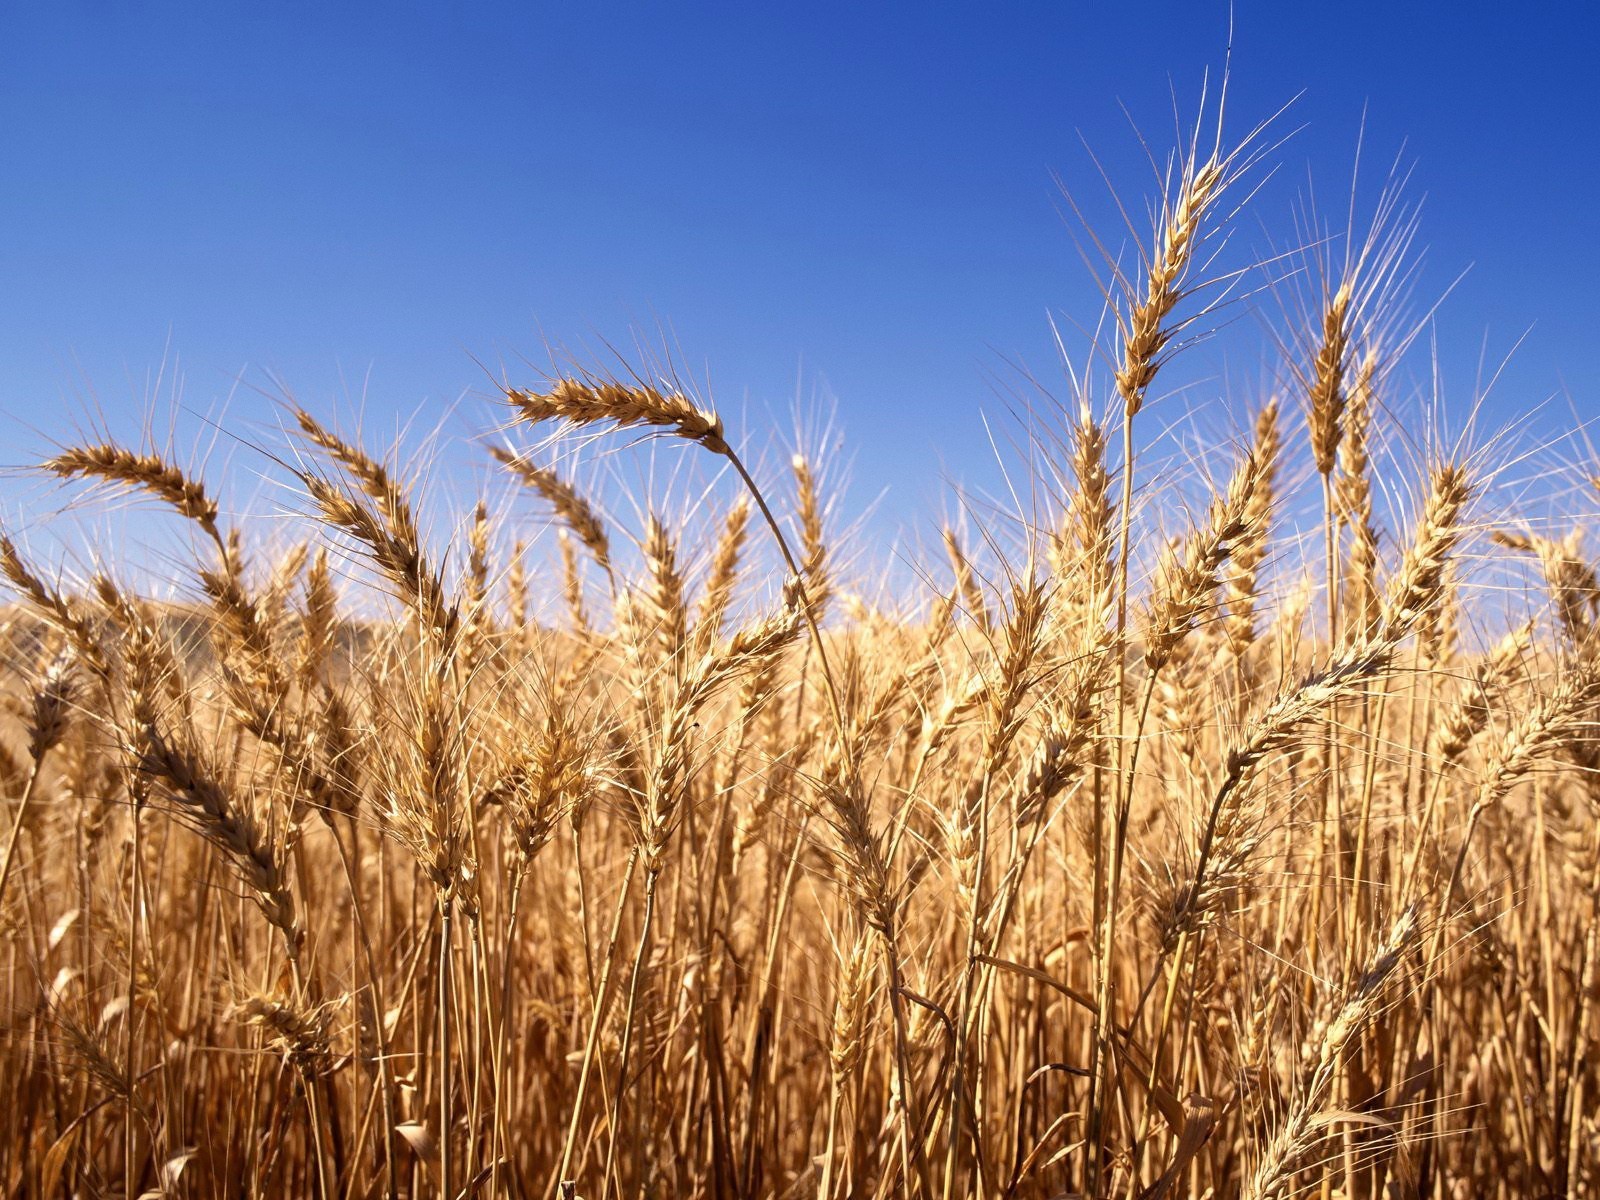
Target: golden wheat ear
<point x="1241" y="576"/>
<point x="1419" y="582"/>
<point x="1146" y="329"/>
<point x="1327" y="391"/>
<point x="1307" y="1121"/>
<point x="813" y="545"/>
<point x="110" y="464"/>
<point x="582" y="402"/>
<point x="144" y="472"/>
<point x="570" y="506"/>
<point x="400" y="559"/>
<point x="723" y="575"/>
<point x="1189" y="579"/>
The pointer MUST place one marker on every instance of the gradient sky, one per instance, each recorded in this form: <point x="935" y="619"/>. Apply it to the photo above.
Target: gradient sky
<point x="855" y="200"/>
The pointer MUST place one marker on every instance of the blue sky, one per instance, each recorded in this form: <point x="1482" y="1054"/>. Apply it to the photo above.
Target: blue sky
<point x="854" y="200"/>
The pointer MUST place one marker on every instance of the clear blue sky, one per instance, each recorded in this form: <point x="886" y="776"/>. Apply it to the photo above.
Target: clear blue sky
<point x="858" y="196"/>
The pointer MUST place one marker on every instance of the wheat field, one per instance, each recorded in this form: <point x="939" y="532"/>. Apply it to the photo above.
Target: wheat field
<point x="1219" y="834"/>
